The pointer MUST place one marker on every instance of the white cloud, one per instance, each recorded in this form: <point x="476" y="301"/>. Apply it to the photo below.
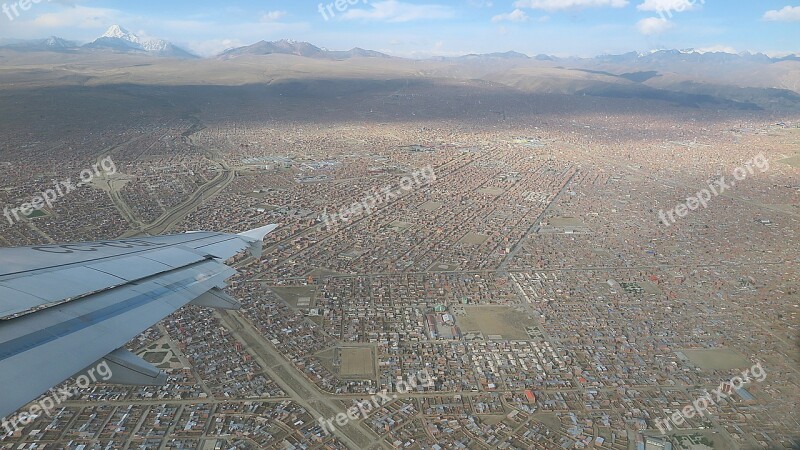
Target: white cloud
<point x="396" y="11"/>
<point x="184" y="27"/>
<point x="79" y="17"/>
<point x="555" y="5"/>
<point x="214" y="46"/>
<point x="517" y="15"/>
<point x="653" y="25"/>
<point x="669" y="5"/>
<point x="787" y="14"/>
<point x="272" y="16"/>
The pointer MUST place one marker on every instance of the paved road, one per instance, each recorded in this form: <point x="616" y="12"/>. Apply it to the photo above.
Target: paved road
<point x="296" y="384"/>
<point x="535" y="226"/>
<point x="172" y="217"/>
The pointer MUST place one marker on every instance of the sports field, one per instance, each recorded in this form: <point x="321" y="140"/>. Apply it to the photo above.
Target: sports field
<point x="496" y="320"/>
<point x="717" y="358"/>
<point x="357" y="361"/>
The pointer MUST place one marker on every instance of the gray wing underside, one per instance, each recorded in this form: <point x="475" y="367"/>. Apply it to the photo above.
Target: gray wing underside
<point x="64" y="308"/>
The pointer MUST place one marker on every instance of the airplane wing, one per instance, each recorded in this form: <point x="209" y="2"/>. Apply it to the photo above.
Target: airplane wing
<point x="64" y="308"/>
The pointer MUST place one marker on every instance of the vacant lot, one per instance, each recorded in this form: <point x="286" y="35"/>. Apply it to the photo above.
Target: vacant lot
<point x="717" y="358"/>
<point x="794" y="161"/>
<point x="431" y="206"/>
<point x="399" y="225"/>
<point x="566" y="222"/>
<point x="474" y="239"/>
<point x="496" y="320"/>
<point x="295" y="295"/>
<point x="493" y="192"/>
<point x="651" y="288"/>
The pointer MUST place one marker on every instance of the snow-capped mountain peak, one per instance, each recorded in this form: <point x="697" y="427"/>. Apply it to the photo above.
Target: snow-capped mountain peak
<point x="119" y="39"/>
<point x="116" y="31"/>
<point x="155" y="45"/>
<point x="54" y="41"/>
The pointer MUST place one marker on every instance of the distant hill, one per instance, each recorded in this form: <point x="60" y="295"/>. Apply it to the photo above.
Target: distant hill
<point x="689" y="78"/>
<point x="633" y="64"/>
<point x="480" y="57"/>
<point x="289" y="47"/>
<point x="51" y="44"/>
<point x="357" y="53"/>
<point x="506" y="55"/>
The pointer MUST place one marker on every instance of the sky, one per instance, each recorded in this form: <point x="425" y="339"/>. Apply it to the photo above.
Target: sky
<point x="424" y="28"/>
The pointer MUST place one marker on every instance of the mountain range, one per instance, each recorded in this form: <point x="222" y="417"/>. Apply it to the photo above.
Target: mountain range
<point x="289" y="47"/>
<point x="115" y="39"/>
<point x="685" y="77"/>
<point x="119" y="40"/>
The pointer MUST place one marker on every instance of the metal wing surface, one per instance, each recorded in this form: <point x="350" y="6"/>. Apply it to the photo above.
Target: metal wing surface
<point x="64" y="308"/>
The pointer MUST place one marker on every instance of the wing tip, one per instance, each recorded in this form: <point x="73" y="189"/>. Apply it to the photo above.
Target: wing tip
<point x="255" y="238"/>
<point x="258" y="234"/>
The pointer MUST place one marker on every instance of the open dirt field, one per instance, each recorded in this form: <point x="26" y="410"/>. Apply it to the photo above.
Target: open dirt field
<point x="496" y="320"/>
<point x="295" y="295"/>
<point x="474" y="239"/>
<point x="431" y="206"/>
<point x="717" y="358"/>
<point x="357" y="361"/>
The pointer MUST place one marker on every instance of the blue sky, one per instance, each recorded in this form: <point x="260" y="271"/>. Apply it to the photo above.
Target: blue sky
<point x="421" y="28"/>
